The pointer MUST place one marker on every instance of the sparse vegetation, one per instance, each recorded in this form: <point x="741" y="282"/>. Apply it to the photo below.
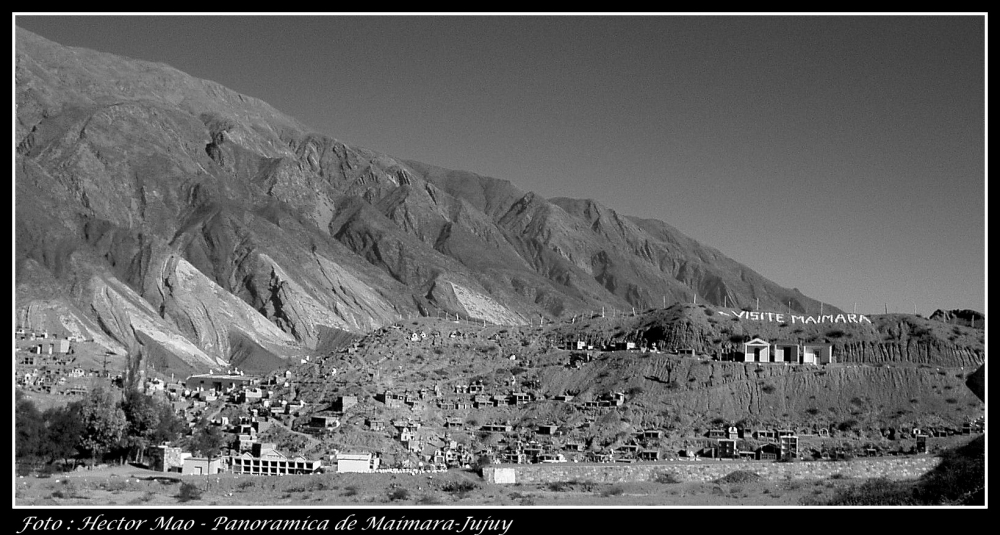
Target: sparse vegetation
<point x="188" y="492"/>
<point x="614" y="490"/>
<point x="666" y="478"/>
<point x="399" y="494"/>
<point x="739" y="477"/>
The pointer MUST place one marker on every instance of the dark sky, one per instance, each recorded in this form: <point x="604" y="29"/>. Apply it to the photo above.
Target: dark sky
<point x="841" y="155"/>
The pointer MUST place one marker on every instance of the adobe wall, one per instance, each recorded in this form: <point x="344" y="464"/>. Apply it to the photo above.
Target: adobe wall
<point x="709" y="470"/>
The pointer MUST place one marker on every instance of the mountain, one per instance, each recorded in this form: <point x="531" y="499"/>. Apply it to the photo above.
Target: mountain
<point x="158" y="210"/>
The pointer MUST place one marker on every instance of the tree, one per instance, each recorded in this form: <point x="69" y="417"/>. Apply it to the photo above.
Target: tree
<point x="104" y="423"/>
<point x="150" y="421"/>
<point x="64" y="429"/>
<point x="207" y="441"/>
<point x="29" y="436"/>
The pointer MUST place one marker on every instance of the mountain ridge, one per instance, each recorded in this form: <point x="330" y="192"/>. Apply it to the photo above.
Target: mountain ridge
<point x="218" y="212"/>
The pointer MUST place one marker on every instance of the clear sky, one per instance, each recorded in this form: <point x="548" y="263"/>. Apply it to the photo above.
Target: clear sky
<point x="840" y="155"/>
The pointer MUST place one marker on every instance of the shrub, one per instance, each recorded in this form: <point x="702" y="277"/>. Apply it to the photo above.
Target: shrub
<point x="115" y="486"/>
<point x="768" y="389"/>
<point x="460" y="487"/>
<point x="739" y="477"/>
<point x="399" y="494"/>
<point x="666" y="478"/>
<point x="558" y="486"/>
<point x="188" y="492"/>
<point x="847" y="425"/>
<point x="612" y="491"/>
<point x="878" y="491"/>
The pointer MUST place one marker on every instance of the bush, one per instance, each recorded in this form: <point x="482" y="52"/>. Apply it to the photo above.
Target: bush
<point x="739" y="477"/>
<point x="460" y="487"/>
<point x="399" y="494"/>
<point x="847" y="425"/>
<point x="878" y="491"/>
<point x="612" y="491"/>
<point x="666" y="478"/>
<point x="188" y="492"/>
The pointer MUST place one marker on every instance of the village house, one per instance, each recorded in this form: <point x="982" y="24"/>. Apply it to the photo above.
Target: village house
<point x="165" y="458"/>
<point x="376" y="424"/>
<point x="788" y="447"/>
<point x="250" y="395"/>
<point x="649" y="434"/>
<point x="218" y="382"/>
<point x="716" y="433"/>
<point x="243" y="443"/>
<point x="727" y="448"/>
<point x="547" y="429"/>
<point x="788" y="352"/>
<point x="324" y="421"/>
<point x="290" y="407"/>
<point x="263" y="459"/>
<point x="342" y="403"/>
<point x="447" y="404"/>
<point x="519" y="398"/>
<point x="497" y="428"/>
<point x="767" y="452"/>
<point x="649" y="455"/>
<point x="602" y="457"/>
<point x="390" y="399"/>
<point x="357" y="462"/>
<point x="481" y="400"/>
<point x="765" y="434"/>
<point x="198" y="466"/>
<point x="756" y="350"/>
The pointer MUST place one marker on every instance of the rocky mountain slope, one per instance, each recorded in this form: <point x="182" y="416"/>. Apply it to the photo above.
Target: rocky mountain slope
<point x="684" y="395"/>
<point x="157" y="209"/>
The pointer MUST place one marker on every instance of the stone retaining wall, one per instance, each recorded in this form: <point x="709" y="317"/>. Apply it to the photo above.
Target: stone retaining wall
<point x="710" y="470"/>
